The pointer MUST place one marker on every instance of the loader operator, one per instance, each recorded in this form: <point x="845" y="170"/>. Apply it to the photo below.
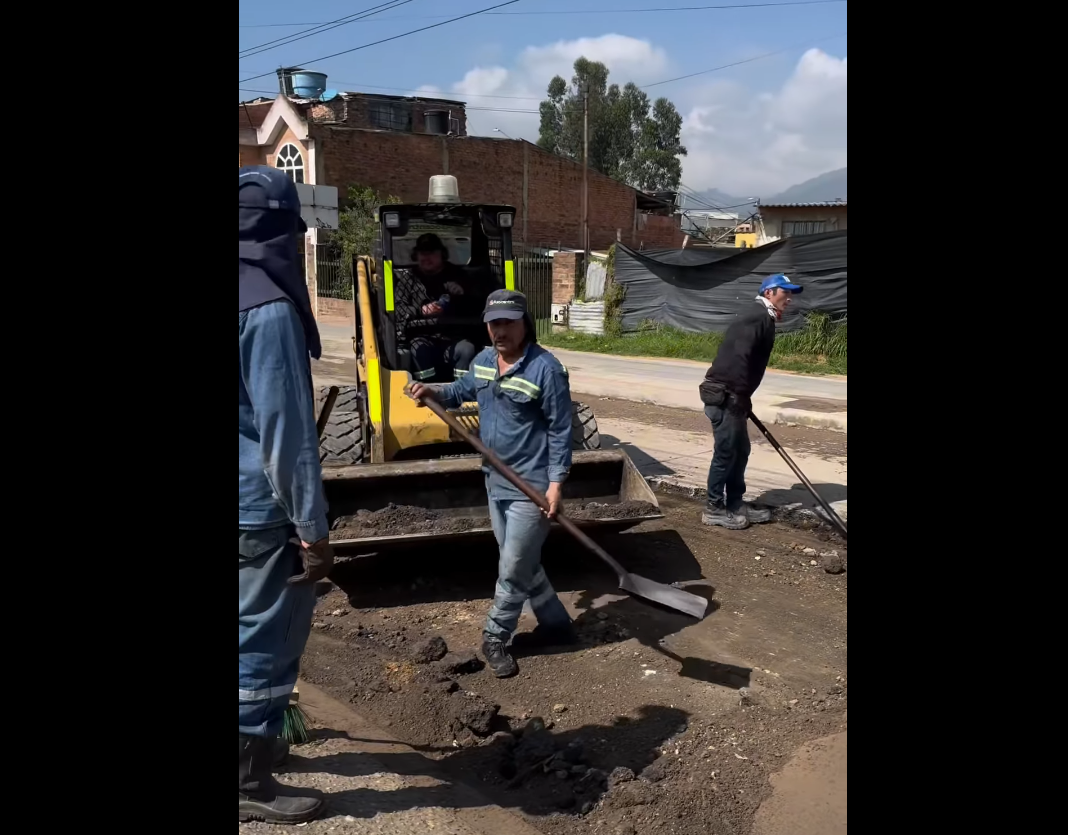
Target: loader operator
<point x="524" y="404"/>
<point x="282" y="544"/>
<point x="727" y="391"/>
<point x="451" y="295"/>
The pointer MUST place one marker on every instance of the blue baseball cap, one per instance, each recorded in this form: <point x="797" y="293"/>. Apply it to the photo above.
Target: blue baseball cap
<point x="504" y="304"/>
<point x="263" y="187"/>
<point x="781" y="282"/>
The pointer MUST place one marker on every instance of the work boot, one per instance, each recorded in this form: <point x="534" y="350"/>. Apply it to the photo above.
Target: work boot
<point x="755" y="515"/>
<point x="714" y="515"/>
<point x="546" y="636"/>
<point x="280" y="751"/>
<point x="500" y="662"/>
<point x="262" y="798"/>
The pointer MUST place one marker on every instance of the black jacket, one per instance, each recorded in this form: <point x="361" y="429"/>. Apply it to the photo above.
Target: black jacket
<point x="743" y="356"/>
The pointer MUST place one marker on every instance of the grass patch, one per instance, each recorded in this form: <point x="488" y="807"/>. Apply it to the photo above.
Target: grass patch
<point x="820" y="348"/>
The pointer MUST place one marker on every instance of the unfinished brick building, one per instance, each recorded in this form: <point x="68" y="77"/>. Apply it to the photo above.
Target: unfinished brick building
<point x="394" y="145"/>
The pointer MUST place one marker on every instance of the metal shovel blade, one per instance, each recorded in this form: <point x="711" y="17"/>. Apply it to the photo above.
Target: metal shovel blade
<point x="673" y="598"/>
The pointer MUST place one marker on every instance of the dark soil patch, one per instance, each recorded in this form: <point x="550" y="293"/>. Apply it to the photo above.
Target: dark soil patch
<point x="653" y="723"/>
<point x="394" y="520"/>
<point x="793" y="438"/>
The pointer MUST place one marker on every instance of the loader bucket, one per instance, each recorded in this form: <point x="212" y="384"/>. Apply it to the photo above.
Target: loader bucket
<point x="603" y="491"/>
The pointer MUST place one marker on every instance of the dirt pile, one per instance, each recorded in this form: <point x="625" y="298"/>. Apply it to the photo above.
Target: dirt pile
<point x="397" y="520"/>
<point x="644" y="728"/>
<point x="592" y="511"/>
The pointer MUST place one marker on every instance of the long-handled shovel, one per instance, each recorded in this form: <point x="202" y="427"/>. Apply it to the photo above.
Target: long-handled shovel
<point x="673" y="598"/>
<point x="836" y="520"/>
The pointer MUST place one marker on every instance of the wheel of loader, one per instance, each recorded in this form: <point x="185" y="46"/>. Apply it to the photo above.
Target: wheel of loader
<point x="584" y="434"/>
<point x="344" y="440"/>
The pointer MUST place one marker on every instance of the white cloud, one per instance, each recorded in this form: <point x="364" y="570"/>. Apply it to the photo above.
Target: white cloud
<point x="521" y="87"/>
<point x="740" y="140"/>
<point x="750" y="144"/>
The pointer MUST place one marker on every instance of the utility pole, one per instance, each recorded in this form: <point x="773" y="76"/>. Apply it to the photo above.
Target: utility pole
<point x="585" y="173"/>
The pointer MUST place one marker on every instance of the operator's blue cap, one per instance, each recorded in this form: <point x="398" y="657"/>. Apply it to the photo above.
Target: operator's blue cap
<point x="779" y="281"/>
<point x="263" y="187"/>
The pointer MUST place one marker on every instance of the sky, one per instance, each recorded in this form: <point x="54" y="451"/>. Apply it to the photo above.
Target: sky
<point x="751" y="130"/>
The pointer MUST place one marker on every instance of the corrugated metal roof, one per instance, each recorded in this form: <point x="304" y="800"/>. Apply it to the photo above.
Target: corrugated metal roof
<point x="821" y="204"/>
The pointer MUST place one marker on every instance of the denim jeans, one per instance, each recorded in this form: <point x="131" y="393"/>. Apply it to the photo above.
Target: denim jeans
<point x="274" y="621"/>
<point x="521" y="530"/>
<point x="726" y="473"/>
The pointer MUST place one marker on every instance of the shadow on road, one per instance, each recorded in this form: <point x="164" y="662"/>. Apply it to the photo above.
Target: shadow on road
<point x="647" y="465"/>
<point x="512" y="773"/>
<point x="799" y="493"/>
<point x="469" y="572"/>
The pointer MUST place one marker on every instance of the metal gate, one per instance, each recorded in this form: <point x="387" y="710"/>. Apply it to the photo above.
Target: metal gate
<point x="534" y="279"/>
<point x="330" y="279"/>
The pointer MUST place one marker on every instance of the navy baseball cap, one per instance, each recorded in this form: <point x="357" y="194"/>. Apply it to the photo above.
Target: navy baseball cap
<point x="780" y="282"/>
<point x="263" y="187"/>
<point x="504" y="304"/>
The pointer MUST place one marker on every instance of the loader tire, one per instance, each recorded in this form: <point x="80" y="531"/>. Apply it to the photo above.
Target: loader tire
<point x="348" y="398"/>
<point x="343" y="439"/>
<point x="584" y="434"/>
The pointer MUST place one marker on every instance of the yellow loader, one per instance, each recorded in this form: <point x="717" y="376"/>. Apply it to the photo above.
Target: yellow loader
<point x="379" y="449"/>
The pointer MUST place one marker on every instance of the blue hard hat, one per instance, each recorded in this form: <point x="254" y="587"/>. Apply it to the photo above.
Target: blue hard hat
<point x="263" y="187"/>
<point x="779" y="281"/>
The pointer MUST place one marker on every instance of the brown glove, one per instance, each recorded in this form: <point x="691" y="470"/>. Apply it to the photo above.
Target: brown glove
<point x="318" y="559"/>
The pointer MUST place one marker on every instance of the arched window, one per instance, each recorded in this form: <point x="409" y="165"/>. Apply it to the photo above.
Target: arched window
<point x="290" y="160"/>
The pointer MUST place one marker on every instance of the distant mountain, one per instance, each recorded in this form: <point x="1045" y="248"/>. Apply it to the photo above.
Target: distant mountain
<point x="829" y="186"/>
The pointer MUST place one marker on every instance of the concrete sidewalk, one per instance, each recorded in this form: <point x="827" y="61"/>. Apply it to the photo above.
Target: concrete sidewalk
<point x="817" y="402"/>
<point x="681" y="459"/>
<point x="376" y="785"/>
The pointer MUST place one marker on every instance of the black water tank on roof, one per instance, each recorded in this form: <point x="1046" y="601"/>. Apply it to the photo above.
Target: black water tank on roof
<point x="436" y="122"/>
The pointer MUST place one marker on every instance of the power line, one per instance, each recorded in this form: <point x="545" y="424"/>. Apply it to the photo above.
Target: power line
<point x="395" y="37"/>
<point x="743" y="61"/>
<point x="429" y="94"/>
<point x="582" y="11"/>
<point x="319" y="29"/>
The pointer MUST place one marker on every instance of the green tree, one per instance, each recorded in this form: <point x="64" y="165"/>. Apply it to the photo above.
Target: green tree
<point x="629" y="139"/>
<point x="357" y="227"/>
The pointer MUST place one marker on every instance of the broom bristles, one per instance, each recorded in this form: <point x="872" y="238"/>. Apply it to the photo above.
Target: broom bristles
<point x="295" y="725"/>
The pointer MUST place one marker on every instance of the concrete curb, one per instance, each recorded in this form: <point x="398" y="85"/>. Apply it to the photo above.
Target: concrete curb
<point x="833" y="422"/>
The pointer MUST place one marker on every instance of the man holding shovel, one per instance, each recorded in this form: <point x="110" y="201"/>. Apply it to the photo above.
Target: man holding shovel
<point x="727" y="392"/>
<point x="524" y="403"/>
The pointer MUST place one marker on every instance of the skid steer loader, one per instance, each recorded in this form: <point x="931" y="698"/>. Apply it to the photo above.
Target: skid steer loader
<point x="379" y="448"/>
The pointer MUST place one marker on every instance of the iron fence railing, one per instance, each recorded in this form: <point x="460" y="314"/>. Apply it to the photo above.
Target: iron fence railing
<point x="331" y="280"/>
<point x="534" y="279"/>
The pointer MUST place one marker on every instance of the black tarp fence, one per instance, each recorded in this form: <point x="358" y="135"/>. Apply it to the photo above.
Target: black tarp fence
<point x="702" y="290"/>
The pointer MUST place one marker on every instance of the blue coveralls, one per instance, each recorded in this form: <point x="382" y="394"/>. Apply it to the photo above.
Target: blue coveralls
<point x="281" y="502"/>
<point x="524" y="417"/>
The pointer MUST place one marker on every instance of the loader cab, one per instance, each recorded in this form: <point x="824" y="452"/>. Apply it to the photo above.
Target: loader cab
<point x="479" y="242"/>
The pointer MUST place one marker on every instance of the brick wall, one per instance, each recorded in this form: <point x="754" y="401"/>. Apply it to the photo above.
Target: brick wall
<point x="353" y="112"/>
<point x="658" y="232"/>
<point x="491" y="171"/>
<point x="565" y="274"/>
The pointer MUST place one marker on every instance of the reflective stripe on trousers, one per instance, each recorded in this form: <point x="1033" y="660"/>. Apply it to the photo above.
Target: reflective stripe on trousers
<point x="274" y="621"/>
<point x="521" y="529"/>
